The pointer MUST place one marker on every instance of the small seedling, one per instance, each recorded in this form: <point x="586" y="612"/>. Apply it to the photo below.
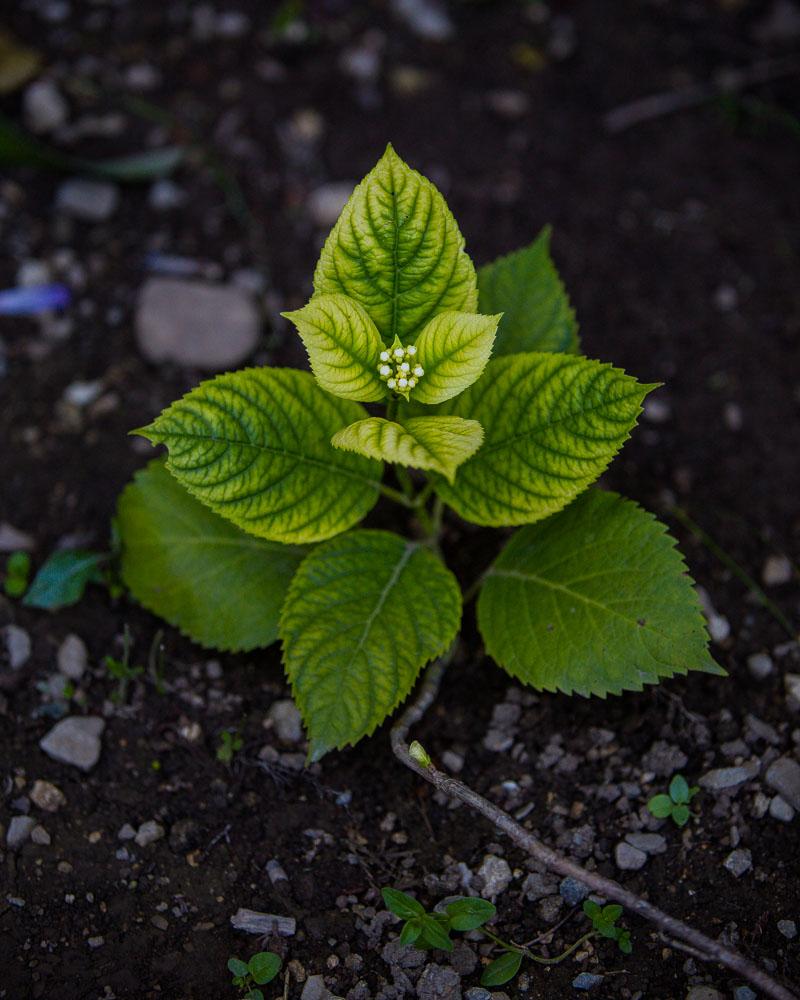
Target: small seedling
<point x="604" y="921"/>
<point x="18" y="570"/>
<point x="230" y="743"/>
<point x="426" y="930"/>
<point x="122" y="670"/>
<point x="676" y="803"/>
<point x="260" y="970"/>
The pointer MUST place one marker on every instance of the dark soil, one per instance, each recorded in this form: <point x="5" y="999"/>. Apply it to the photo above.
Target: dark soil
<point x="679" y="242"/>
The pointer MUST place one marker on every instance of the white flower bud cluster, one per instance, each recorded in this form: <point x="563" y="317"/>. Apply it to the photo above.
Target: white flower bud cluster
<point x="398" y="369"/>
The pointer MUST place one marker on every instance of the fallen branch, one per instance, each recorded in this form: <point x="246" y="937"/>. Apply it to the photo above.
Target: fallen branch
<point x="680" y="933"/>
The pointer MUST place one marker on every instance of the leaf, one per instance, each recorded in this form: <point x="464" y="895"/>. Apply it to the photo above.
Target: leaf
<point x="343" y="346"/>
<point x="526" y="288"/>
<point x="592" y="910"/>
<point x="680" y="815"/>
<point x="612" y="912"/>
<point x="364" y="613"/>
<point x="660" y="806"/>
<point x="502" y="969"/>
<point x="18" y="63"/>
<point x="237" y="967"/>
<point x="437" y="443"/>
<point x="410" y="932"/>
<point x="199" y="572"/>
<point x="397" y="250"/>
<point x="254" y="995"/>
<point x="401" y="904"/>
<point x="679" y="789"/>
<point x="466" y="914"/>
<point x="264" y="967"/>
<point x="553" y="423"/>
<point x="63" y="578"/>
<point x="453" y="350"/>
<point x="254" y="446"/>
<point x="435" y="933"/>
<point x="594" y="600"/>
<point x="137" y="167"/>
<point x="624" y="943"/>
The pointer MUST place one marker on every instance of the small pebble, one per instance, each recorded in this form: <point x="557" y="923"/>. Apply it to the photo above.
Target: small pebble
<point x="760" y="666"/>
<point x="783" y="777"/>
<point x="255" y="922"/>
<point x="496" y="875"/>
<point x="657" y="411"/>
<point x="19" y="830"/>
<point x="72" y="657"/>
<point x="149" y="833"/>
<point x="126" y="832"/>
<point x="325" y="203"/>
<point x="75" y="740"/>
<point x="586" y="981"/>
<point x="87" y="200"/>
<point x="780" y="809"/>
<point x="722" y="778"/>
<point x="18" y="646"/>
<point x="777" y="571"/>
<point x="40" y="836"/>
<point x="739" y="862"/>
<point x="650" y="843"/>
<point x="572" y="891"/>
<point x="628" y="857"/>
<point x="744" y="993"/>
<point x="43" y="107"/>
<point x="788" y="928"/>
<point x="426" y="18"/>
<point x="47" y="796"/>
<point x="286" y="721"/>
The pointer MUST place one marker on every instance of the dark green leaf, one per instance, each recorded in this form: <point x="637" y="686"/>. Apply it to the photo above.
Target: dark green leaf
<point x="435" y="934"/>
<point x="467" y="914"/>
<point x="607" y="929"/>
<point x="624" y="942"/>
<point x="679" y="789"/>
<point x="254" y="995"/>
<point x="138" y="167"/>
<point x="592" y="910"/>
<point x="237" y="966"/>
<point x="63" y="578"/>
<point x="264" y="967"/>
<point x="402" y="904"/>
<point x="502" y="969"/>
<point x="660" y="806"/>
<point x="612" y="912"/>
<point x="680" y="814"/>
<point x="410" y="932"/>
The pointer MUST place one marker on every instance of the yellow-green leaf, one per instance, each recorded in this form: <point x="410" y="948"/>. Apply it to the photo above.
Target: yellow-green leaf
<point x="453" y="351"/>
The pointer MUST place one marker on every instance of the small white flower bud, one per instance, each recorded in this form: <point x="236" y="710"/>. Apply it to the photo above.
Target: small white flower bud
<point x="402" y="383"/>
<point x="399" y="353"/>
<point x="411" y="383"/>
<point x="385" y="369"/>
<point x="411" y="349"/>
<point x="405" y="367"/>
<point x="419" y="371"/>
<point x="391" y="383"/>
<point x="385" y="355"/>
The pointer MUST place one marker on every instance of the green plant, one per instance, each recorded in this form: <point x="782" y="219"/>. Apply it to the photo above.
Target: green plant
<point x="261" y="969"/>
<point x="248" y="532"/>
<point x="676" y="803"/>
<point x="426" y="930"/>
<point x="18" y="571"/>
<point x="122" y="670"/>
<point x="230" y="743"/>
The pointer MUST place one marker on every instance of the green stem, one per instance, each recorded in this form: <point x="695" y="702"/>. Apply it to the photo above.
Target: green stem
<point x="474" y="587"/>
<point x="539" y="959"/>
<point x="397" y="496"/>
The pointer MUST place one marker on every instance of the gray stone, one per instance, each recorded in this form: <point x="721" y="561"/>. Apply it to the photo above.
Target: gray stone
<point x="126" y="832"/>
<point x="72" y="657"/>
<point x="286" y="721"/>
<point x="438" y="982"/>
<point x="788" y="928"/>
<point x="19" y="830"/>
<point x="704" y="993"/>
<point x="780" y="809"/>
<point x="586" y="981"/>
<point x="75" y="740"/>
<point x="760" y="666"/>
<point x="783" y="776"/>
<point x="496" y="875"/>
<point x="777" y="571"/>
<point x="47" y="796"/>
<point x="195" y="323"/>
<point x="87" y="200"/>
<point x="744" y="993"/>
<point x="572" y="891"/>
<point x="739" y="862"/>
<point x="537" y="886"/>
<point x="628" y="857"/>
<point x="14" y="540"/>
<point x="453" y="761"/>
<point x="326" y="203"/>
<point x="315" y="989"/>
<point x="549" y="908"/>
<point x="402" y="956"/>
<point x="148" y="833"/>
<point x="165" y="195"/>
<point x="722" y="779"/>
<point x="426" y="18"/>
<point x="664" y="759"/>
<point x="18" y="646"/>
<point x="650" y="843"/>
<point x="43" y="107"/>
<point x="463" y="959"/>
<point x="255" y="922"/>
<point x="40" y="836"/>
<point x="477" y="993"/>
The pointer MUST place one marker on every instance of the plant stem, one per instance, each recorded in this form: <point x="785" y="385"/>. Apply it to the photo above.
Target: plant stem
<point x="704" y="947"/>
<point x="540" y="959"/>
<point x="397" y="496"/>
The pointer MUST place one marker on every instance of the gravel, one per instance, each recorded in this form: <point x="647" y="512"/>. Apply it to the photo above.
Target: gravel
<point x="572" y="891"/>
<point x="255" y="922"/>
<point x="704" y="993"/>
<point x="19" y="830"/>
<point x="72" y="657"/>
<point x="47" y="796"/>
<point x="744" y="993"/>
<point x="75" y="740"/>
<point x="629" y="858"/>
<point x="326" y="203"/>
<point x="196" y="324"/>
<point x="788" y="928"/>
<point x="439" y="982"/>
<point x="537" y="886"/>
<point x="425" y="18"/>
<point x="739" y="862"/>
<point x="87" y="200"/>
<point x="777" y="570"/>
<point x="315" y="989"/>
<point x="724" y="778"/>
<point x="40" y="836"/>
<point x="780" y="809"/>
<point x="149" y="833"/>
<point x="43" y="107"/>
<point x="496" y="875"/>
<point x="760" y="666"/>
<point x="18" y="646"/>
<point x="586" y="981"/>
<point x="650" y="843"/>
<point x="783" y="777"/>
<point x="286" y="721"/>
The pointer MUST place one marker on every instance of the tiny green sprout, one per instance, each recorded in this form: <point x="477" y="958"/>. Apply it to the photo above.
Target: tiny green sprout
<point x="262" y="968"/>
<point x="418" y="753"/>
<point x="676" y="803"/>
<point x="230" y="743"/>
<point x="604" y="922"/>
<point x="18" y="569"/>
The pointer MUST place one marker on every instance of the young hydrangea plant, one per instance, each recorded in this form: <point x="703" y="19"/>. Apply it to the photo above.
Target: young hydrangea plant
<point x="247" y="533"/>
